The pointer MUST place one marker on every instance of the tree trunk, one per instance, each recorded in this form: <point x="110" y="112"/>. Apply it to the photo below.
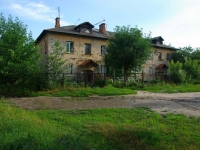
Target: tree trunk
<point x="125" y="75"/>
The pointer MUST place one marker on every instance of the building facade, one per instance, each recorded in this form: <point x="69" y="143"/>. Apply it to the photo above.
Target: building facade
<point x="85" y="48"/>
<point x="157" y="64"/>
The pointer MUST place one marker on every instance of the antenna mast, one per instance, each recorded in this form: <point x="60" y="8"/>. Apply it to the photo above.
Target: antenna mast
<point x="59" y="12"/>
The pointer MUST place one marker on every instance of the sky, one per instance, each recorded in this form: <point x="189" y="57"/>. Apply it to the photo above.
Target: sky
<point x="177" y="21"/>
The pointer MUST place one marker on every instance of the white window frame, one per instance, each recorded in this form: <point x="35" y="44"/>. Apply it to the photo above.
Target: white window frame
<point x="103" y="49"/>
<point x="102" y="68"/>
<point x="150" y="70"/>
<point x="69" y="46"/>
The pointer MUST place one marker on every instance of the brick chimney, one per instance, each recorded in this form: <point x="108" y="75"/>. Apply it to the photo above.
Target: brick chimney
<point x="57" y="25"/>
<point x="102" y="28"/>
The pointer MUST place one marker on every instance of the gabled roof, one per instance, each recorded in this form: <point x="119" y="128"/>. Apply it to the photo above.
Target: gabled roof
<point x="71" y="29"/>
<point x="161" y="66"/>
<point x="89" y="61"/>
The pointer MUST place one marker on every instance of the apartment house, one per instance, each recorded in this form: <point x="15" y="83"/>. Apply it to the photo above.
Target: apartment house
<point x="84" y="46"/>
<point x="157" y="64"/>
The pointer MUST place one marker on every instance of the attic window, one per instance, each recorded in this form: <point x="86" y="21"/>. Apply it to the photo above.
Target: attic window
<point x="85" y="30"/>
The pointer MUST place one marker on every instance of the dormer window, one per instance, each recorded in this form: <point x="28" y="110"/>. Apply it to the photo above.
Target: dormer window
<point x="85" y="27"/>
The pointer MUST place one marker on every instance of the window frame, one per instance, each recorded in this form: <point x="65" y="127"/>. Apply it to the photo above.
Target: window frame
<point x="159" y="55"/>
<point x="87" y="49"/>
<point x="150" y="71"/>
<point x="69" y="46"/>
<point x="70" y="68"/>
<point x="168" y="56"/>
<point x="102" y="68"/>
<point x="103" y="49"/>
<point x="151" y="56"/>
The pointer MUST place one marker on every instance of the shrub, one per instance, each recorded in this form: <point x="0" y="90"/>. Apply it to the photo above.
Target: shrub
<point x="176" y="73"/>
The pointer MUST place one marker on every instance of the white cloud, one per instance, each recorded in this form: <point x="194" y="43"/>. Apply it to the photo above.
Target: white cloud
<point x="181" y="29"/>
<point x="32" y="10"/>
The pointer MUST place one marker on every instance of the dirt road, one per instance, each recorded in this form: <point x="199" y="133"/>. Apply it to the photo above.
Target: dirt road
<point x="184" y="103"/>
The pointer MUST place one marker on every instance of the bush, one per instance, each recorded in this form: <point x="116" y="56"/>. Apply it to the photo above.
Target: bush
<point x="176" y="74"/>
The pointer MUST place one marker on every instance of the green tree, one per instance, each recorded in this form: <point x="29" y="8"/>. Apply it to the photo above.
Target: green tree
<point x="176" y="73"/>
<point x="54" y="62"/>
<point x="54" y="65"/>
<point x="182" y="54"/>
<point x="192" y="69"/>
<point x="127" y="49"/>
<point x="18" y="53"/>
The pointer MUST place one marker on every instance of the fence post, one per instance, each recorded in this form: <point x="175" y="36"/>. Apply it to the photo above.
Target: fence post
<point x="63" y="80"/>
<point x="85" y="80"/>
<point x="142" y="79"/>
<point x="104" y="79"/>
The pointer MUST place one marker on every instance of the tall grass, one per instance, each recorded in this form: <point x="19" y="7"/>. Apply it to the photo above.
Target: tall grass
<point x="113" y="129"/>
<point x="173" y="88"/>
<point x="84" y="92"/>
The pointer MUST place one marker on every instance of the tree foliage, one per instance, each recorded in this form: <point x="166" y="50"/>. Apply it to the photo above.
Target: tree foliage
<point x="176" y="73"/>
<point x="53" y="65"/>
<point x="54" y="62"/>
<point x="18" y="52"/>
<point x="127" y="49"/>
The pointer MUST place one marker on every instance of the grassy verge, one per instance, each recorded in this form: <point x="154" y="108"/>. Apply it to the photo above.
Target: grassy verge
<point x="170" y="88"/>
<point x="84" y="92"/>
<point x="113" y="129"/>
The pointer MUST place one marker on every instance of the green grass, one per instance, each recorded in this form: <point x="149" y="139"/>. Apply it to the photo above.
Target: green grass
<point x="94" y="129"/>
<point x="85" y="92"/>
<point x="170" y="88"/>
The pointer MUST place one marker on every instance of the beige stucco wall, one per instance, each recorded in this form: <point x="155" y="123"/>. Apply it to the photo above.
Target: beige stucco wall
<point x="78" y="56"/>
<point x="154" y="62"/>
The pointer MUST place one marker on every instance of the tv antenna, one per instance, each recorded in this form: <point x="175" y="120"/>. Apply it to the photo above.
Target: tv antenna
<point x="77" y="21"/>
<point x="99" y="22"/>
<point x="59" y="12"/>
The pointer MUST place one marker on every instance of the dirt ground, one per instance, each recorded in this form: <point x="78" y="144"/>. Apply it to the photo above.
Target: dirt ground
<point x="184" y="103"/>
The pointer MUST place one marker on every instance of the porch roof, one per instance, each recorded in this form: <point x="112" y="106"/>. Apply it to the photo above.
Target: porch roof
<point x="161" y="66"/>
<point x="89" y="61"/>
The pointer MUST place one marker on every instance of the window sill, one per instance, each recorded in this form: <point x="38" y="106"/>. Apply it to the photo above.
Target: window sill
<point x="88" y="54"/>
<point x="70" y="53"/>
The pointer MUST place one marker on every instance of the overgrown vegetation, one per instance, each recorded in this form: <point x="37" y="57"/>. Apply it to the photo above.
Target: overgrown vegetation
<point x="18" y="57"/>
<point x="171" y="88"/>
<point x="113" y="129"/>
<point x="84" y="92"/>
<point x="186" y="60"/>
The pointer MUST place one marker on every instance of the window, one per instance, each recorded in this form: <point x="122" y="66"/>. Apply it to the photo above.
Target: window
<point x="150" y="70"/>
<point x="69" y="47"/>
<point x="87" y="48"/>
<point x="102" y="69"/>
<point x="103" y="50"/>
<point x="70" y="68"/>
<point x="159" y="56"/>
<point x="168" y="56"/>
<point x="151" y="56"/>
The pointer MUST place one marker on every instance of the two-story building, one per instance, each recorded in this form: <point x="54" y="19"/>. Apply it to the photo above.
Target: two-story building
<point x="85" y="48"/>
<point x="159" y="59"/>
